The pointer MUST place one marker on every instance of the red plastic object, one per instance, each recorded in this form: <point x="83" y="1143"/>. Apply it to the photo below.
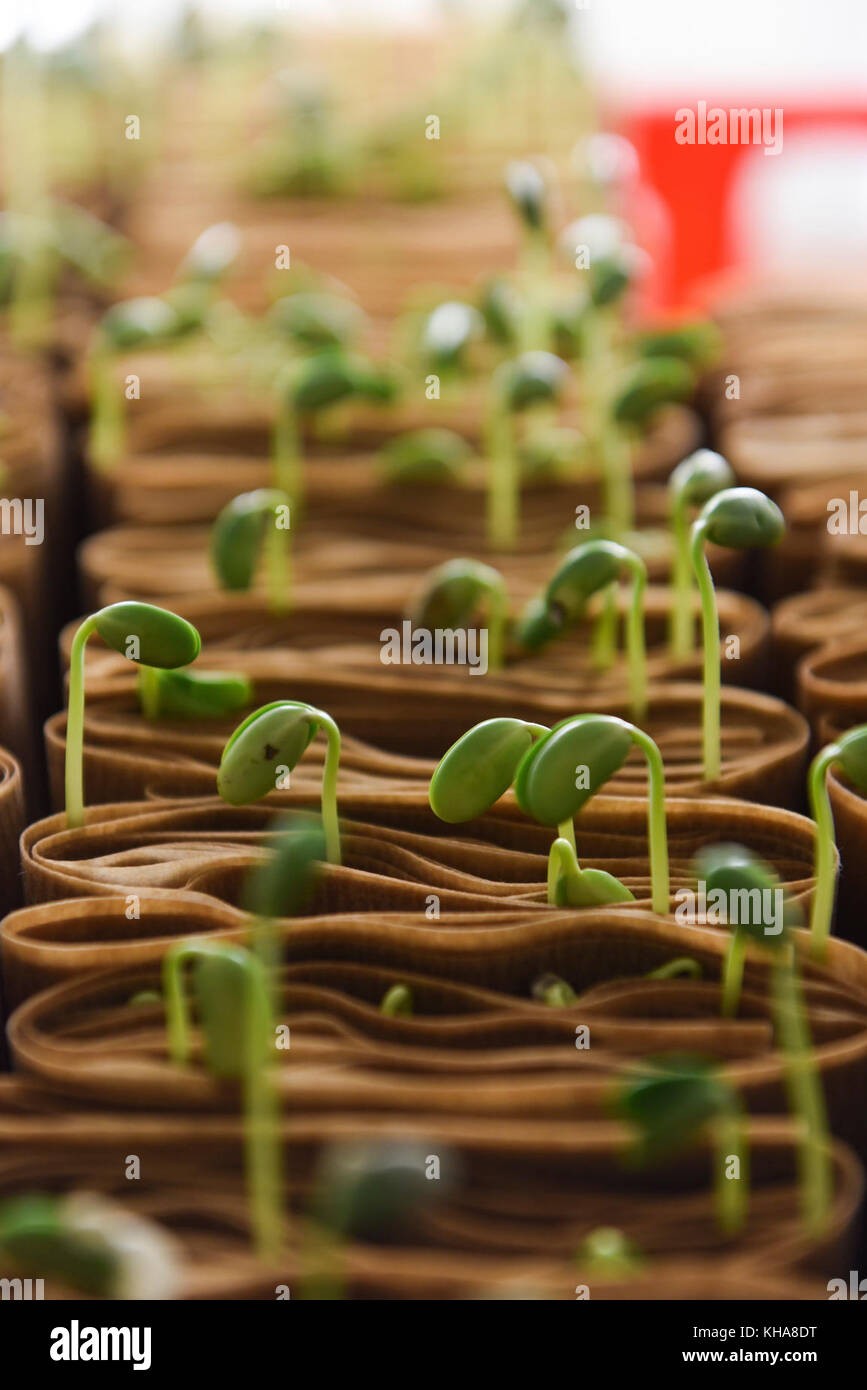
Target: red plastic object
<point x="695" y="184"/>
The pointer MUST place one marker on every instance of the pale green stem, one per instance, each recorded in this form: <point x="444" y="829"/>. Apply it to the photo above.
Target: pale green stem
<point x="75" y="728"/>
<point x="498" y="598"/>
<point x="566" y="831"/>
<point x="711" y="704"/>
<point x="733" y="973"/>
<point x="286" y="454"/>
<point x="503" y="481"/>
<point x="277" y="567"/>
<point x="149" y="692"/>
<point x="680" y="623"/>
<point x="806" y="1099"/>
<point x="731" y="1193"/>
<point x="330" y="821"/>
<point x="682" y="967"/>
<point x="106" y="438"/>
<point x="656" y="828"/>
<point x="824" y="869"/>
<point x="261" y="1134"/>
<point x="535" y="321"/>
<point x="561" y="857"/>
<point x="603" y="646"/>
<point x="635" y="642"/>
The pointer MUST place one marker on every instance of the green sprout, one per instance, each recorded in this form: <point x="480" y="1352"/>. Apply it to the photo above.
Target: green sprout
<point x="317" y="320"/>
<point x="397" y="1002"/>
<point x="140" y="632"/>
<point x="738" y="518"/>
<point x="698" y="344"/>
<point x="499" y="753"/>
<point x="694" y="481"/>
<point x="679" y="968"/>
<point x="753" y="896"/>
<point x="671" y="1101"/>
<point x="607" y="1253"/>
<point x="265" y="749"/>
<point x="192" y="694"/>
<point x="453" y="595"/>
<point x="448" y="334"/>
<point x="234" y="1010"/>
<point x="528" y="193"/>
<point x="585" y="571"/>
<point x="557" y="775"/>
<point x="147" y="322"/>
<point x="425" y="456"/>
<point x="532" y="379"/>
<point x="308" y="387"/>
<point x="554" y="992"/>
<point x="91" y="1245"/>
<point x="253" y="523"/>
<point x="849" y="752"/>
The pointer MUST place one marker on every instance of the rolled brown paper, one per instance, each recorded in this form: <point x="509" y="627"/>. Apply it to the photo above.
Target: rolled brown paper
<point x="469" y="1246"/>
<point x="397" y="851"/>
<point x="405" y="712"/>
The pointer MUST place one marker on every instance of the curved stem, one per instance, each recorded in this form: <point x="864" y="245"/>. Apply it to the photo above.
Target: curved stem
<point x="330" y="821"/>
<point x="657" y="834"/>
<point x="603" y="646"/>
<point x="277" y="576"/>
<point x="561" y="860"/>
<point x="710" y="723"/>
<point x="535" y="321"/>
<point x="824" y="869"/>
<point x="177" y="1018"/>
<point x="636" y="648"/>
<point x="680" y="625"/>
<point x="566" y="831"/>
<point x="286" y="452"/>
<point x="731" y="1193"/>
<point x="497" y="617"/>
<point x="806" y="1098"/>
<point x="617" y="463"/>
<point x="106" y="412"/>
<point x="75" y="727"/>
<point x="733" y="973"/>
<point x="681" y="967"/>
<point x="261" y="1131"/>
<point x="503" y="480"/>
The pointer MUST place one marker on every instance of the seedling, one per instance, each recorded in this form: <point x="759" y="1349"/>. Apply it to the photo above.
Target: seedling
<point x="140" y="632"/>
<point x="265" y="749"/>
<point x="849" y="753"/>
<point x="751" y="886"/>
<point x="553" y="778"/>
<point x="528" y="192"/>
<point x="552" y="990"/>
<point x="316" y="320"/>
<point x="681" y="968"/>
<point x="425" y="456"/>
<point x="233" y="1006"/>
<point x="569" y="764"/>
<point x="532" y="379"/>
<point x="309" y="387"/>
<point x="397" y="1002"/>
<point x="192" y="694"/>
<point x="738" y="518"/>
<point x="585" y="571"/>
<point x="607" y="1253"/>
<point x="448" y="334"/>
<point x="693" y="482"/>
<point x="253" y="523"/>
<point x="670" y="1102"/>
<point x="132" y="323"/>
<point x="91" y="1245"/>
<point x="453" y="596"/>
